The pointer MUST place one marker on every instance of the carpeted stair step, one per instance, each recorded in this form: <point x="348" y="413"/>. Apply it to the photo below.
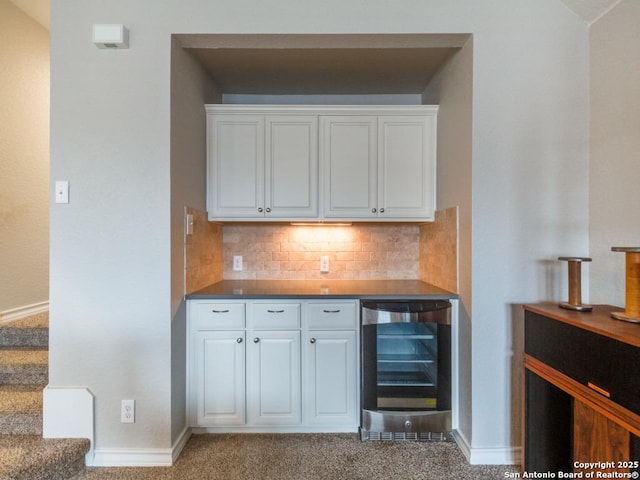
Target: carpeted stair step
<point x="21" y="409"/>
<point x="24" y="367"/>
<point x="31" y="331"/>
<point x="29" y="457"/>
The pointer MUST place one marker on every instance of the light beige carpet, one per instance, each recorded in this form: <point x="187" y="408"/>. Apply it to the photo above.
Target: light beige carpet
<point x="308" y="457"/>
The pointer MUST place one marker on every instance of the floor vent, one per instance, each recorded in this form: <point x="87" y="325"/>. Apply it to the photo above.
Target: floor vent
<point x="368" y="436"/>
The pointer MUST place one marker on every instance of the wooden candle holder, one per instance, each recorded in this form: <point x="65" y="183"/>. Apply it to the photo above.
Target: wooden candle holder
<point x="575" y="284"/>
<point x="632" y="291"/>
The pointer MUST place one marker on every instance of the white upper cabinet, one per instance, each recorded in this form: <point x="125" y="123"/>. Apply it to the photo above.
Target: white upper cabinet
<point x="282" y="163"/>
<point x="235" y="168"/>
<point x="348" y="152"/>
<point x="291" y="166"/>
<point x="406" y="167"/>
<point x="262" y="167"/>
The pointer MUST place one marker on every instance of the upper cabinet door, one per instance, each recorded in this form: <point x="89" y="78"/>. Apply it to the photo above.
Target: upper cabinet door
<point x="406" y="167"/>
<point x="348" y="155"/>
<point x="291" y="166"/>
<point x="235" y="167"/>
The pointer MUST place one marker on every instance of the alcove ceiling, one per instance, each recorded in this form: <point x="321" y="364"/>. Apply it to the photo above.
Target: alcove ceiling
<point x="322" y="71"/>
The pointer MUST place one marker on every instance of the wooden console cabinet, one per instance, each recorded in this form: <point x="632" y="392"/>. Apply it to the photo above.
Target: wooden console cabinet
<point x="581" y="391"/>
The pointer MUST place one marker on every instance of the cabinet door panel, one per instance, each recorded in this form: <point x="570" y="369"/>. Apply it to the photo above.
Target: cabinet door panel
<point x="406" y="172"/>
<point x="273" y="386"/>
<point x="332" y="378"/>
<point x="220" y="374"/>
<point x="349" y="161"/>
<point x="235" y="165"/>
<point x="590" y="428"/>
<point x="291" y="166"/>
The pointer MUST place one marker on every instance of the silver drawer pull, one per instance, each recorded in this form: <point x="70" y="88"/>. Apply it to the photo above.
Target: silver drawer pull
<point x="239" y="340"/>
<point x="275" y="311"/>
<point x="256" y="340"/>
<point x="313" y="340"/>
<point x="220" y="311"/>
<point x="331" y="311"/>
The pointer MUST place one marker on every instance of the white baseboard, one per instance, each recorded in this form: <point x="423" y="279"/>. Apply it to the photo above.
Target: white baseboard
<point x="140" y="457"/>
<point x="132" y="457"/>
<point x="24" y="311"/>
<point x="463" y="443"/>
<point x="487" y="456"/>
<point x="496" y="456"/>
<point x="180" y="443"/>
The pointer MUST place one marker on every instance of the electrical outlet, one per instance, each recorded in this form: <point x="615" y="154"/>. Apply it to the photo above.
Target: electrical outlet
<point x="128" y="411"/>
<point x="188" y="224"/>
<point x="324" y="264"/>
<point x="237" y="263"/>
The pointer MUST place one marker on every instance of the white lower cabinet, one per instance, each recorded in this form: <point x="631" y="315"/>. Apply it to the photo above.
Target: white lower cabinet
<point x="292" y="366"/>
<point x="220" y="375"/>
<point x="273" y="378"/>
<point x="332" y="378"/>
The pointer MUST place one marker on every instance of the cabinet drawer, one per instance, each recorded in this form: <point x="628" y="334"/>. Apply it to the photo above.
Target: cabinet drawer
<point x="331" y="316"/>
<point x="218" y="316"/>
<point x="266" y="316"/>
<point x="602" y="363"/>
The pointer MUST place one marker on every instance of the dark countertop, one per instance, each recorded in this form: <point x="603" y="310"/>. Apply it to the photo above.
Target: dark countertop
<point x="331" y="289"/>
<point x="598" y="321"/>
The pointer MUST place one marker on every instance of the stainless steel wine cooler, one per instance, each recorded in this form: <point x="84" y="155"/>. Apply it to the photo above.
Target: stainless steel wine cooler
<point x="406" y="370"/>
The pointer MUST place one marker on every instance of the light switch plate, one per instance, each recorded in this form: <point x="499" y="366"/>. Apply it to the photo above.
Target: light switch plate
<point x="62" y="191"/>
<point x="237" y="263"/>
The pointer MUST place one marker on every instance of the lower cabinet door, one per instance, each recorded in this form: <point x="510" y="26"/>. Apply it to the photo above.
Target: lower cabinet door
<point x="220" y="378"/>
<point x="331" y="378"/>
<point x="273" y="383"/>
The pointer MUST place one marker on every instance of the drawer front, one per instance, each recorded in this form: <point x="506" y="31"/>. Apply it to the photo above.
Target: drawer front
<point x="267" y="316"/>
<point x="218" y="316"/>
<point x="591" y="359"/>
<point x="331" y="316"/>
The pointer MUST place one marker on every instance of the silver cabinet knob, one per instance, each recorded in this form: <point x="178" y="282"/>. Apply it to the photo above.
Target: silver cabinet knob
<point x="373" y="210"/>
<point x="382" y="210"/>
<point x="313" y="340"/>
<point x="256" y="340"/>
<point x="239" y="340"/>
<point x="268" y="209"/>
<point x="260" y="210"/>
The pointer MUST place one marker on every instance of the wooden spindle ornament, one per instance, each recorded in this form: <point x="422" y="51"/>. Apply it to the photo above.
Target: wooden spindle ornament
<point x="575" y="284"/>
<point x="632" y="288"/>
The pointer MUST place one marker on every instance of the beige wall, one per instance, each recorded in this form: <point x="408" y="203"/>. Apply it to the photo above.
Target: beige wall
<point x="614" y="196"/>
<point x="24" y="160"/>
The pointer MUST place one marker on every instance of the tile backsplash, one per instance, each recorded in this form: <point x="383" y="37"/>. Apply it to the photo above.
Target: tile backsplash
<point x="202" y="252"/>
<point x="362" y="251"/>
<point x="427" y="252"/>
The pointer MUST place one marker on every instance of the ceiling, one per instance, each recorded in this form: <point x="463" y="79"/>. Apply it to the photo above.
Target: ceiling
<point x="36" y="9"/>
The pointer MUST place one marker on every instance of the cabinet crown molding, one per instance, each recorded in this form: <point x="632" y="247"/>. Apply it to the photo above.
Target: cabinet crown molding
<point x="323" y="109"/>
